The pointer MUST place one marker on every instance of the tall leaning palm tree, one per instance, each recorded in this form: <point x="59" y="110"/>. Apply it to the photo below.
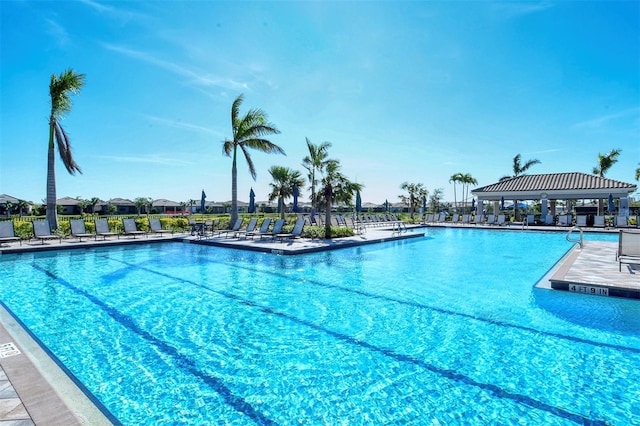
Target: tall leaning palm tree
<point x="248" y="132"/>
<point x="314" y="163"/>
<point x="284" y="182"/>
<point x="606" y="161"/>
<point x="61" y="86"/>
<point x="467" y="180"/>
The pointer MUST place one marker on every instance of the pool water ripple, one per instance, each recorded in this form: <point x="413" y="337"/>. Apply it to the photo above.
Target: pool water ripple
<point x="295" y="347"/>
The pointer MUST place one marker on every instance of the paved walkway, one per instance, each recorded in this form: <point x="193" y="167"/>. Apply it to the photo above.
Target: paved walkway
<point x="35" y="391"/>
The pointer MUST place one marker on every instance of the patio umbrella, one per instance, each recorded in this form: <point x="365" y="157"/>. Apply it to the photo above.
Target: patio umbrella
<point x="358" y="202"/>
<point x="424" y="204"/>
<point x="501" y="203"/>
<point x="252" y="202"/>
<point x="202" y="198"/>
<point x="386" y="206"/>
<point x="612" y="207"/>
<point x="296" y="192"/>
<point x="473" y="204"/>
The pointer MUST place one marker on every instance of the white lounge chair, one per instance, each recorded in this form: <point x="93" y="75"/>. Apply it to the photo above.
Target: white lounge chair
<point x="598" y="221"/>
<point x="628" y="247"/>
<point x="621" y="222"/>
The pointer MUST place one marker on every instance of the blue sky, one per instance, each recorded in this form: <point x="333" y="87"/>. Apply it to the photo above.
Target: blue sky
<point x="405" y="91"/>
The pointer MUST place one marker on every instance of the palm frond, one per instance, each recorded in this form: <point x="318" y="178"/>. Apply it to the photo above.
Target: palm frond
<point x="64" y="148"/>
<point x="247" y="156"/>
<point x="263" y="145"/>
<point x="227" y="147"/>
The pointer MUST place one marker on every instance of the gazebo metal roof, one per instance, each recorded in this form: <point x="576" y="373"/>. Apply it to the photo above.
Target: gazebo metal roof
<point x="573" y="185"/>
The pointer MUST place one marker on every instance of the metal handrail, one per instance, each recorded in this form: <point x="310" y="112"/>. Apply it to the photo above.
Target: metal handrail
<point x="580" y="241"/>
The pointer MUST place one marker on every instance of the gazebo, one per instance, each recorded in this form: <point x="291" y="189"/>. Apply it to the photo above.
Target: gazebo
<point x="549" y="188"/>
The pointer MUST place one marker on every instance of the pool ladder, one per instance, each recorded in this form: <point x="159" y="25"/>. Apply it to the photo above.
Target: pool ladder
<point x="399" y="227"/>
<point x="580" y="241"/>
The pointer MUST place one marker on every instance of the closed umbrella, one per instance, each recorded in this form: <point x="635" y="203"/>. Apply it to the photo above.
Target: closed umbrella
<point x="252" y="202"/>
<point x="424" y="204"/>
<point x="612" y="207"/>
<point x="358" y="202"/>
<point x="473" y="204"/>
<point x="386" y="206"/>
<point x="202" y="200"/>
<point x="296" y="192"/>
<point x="501" y="203"/>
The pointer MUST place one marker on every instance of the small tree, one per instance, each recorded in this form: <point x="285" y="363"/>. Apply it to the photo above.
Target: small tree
<point x="435" y="199"/>
<point x="284" y="182"/>
<point x="141" y="202"/>
<point x="335" y="187"/>
<point x="416" y="192"/>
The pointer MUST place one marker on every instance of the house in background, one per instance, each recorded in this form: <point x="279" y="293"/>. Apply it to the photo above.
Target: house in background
<point x="123" y="206"/>
<point x="163" y="206"/>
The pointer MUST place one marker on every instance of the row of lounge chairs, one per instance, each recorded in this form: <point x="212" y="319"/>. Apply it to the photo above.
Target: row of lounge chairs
<point x="268" y="229"/>
<point x="501" y="220"/>
<point x="42" y="230"/>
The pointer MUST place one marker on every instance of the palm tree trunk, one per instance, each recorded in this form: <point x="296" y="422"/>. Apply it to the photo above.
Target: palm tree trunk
<point x="327" y="214"/>
<point x="234" y="189"/>
<point x="52" y="213"/>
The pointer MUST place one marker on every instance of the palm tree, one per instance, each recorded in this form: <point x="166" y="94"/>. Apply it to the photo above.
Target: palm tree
<point x="93" y="202"/>
<point x="467" y="180"/>
<point x="638" y="172"/>
<point x="518" y="170"/>
<point x="606" y="161"/>
<point x="335" y="188"/>
<point x="59" y="89"/>
<point x="314" y="163"/>
<point x="22" y="205"/>
<point x="284" y="182"/>
<point x="455" y="178"/>
<point x="436" y="198"/>
<point x="604" y="164"/>
<point x="248" y="132"/>
<point x="416" y="193"/>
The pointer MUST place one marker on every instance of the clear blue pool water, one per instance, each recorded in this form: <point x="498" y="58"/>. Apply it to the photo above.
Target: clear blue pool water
<point x="446" y="329"/>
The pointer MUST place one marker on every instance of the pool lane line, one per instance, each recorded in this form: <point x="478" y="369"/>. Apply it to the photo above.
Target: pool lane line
<point x="416" y="305"/>
<point x="183" y="362"/>
<point x="448" y="374"/>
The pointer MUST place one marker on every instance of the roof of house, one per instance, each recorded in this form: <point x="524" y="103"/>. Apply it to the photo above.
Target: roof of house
<point x="4" y="198"/>
<point x="575" y="181"/>
<point x="161" y="202"/>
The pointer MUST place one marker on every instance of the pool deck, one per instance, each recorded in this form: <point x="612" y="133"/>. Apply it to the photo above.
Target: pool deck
<point x="35" y="390"/>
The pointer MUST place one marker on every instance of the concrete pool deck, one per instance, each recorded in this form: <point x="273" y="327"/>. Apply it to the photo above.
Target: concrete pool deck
<point x="34" y="390"/>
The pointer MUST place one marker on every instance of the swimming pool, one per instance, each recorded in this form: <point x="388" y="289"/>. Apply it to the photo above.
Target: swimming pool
<point x="446" y="329"/>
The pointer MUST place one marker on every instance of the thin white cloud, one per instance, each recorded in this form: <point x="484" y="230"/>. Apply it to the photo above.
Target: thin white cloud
<point x="58" y="32"/>
<point x="198" y="79"/>
<point x="146" y="159"/>
<point x="546" y="151"/>
<point x="598" y="122"/>
<point x="122" y="15"/>
<point x="182" y="125"/>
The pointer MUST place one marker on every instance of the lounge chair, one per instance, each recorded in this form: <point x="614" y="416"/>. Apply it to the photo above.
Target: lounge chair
<point x="7" y="232"/>
<point x="491" y="219"/>
<point x="130" y="228"/>
<point x="277" y="229"/>
<point x="78" y="229"/>
<point x="466" y="219"/>
<point x="502" y="220"/>
<point x="478" y="219"/>
<point x="264" y="228"/>
<point x="565" y="220"/>
<point x="156" y="227"/>
<point x="295" y="233"/>
<point x="102" y="229"/>
<point x="251" y="226"/>
<point x="598" y="221"/>
<point x="531" y="219"/>
<point x="621" y="222"/>
<point x="628" y="248"/>
<point x="581" y="220"/>
<point x="455" y="217"/>
<point x="42" y="231"/>
<point x="235" y="228"/>
<point x="549" y="219"/>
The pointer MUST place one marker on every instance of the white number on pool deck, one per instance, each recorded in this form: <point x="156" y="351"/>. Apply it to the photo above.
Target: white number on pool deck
<point x="587" y="289"/>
